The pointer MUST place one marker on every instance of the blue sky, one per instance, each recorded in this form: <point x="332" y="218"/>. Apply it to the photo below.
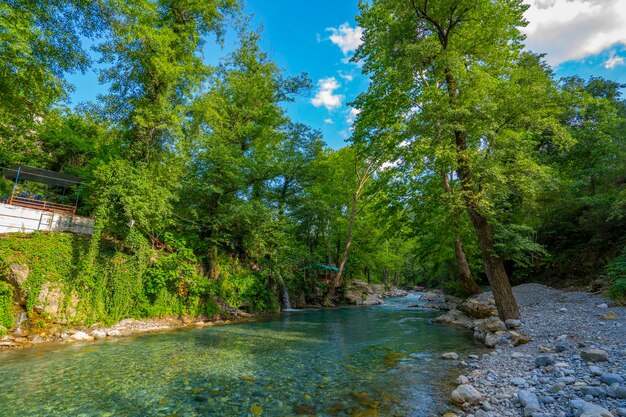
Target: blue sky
<point x="584" y="37"/>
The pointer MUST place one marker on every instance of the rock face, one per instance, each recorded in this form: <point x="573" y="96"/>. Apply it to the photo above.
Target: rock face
<point x="360" y="293"/>
<point x="466" y="394"/>
<point x="52" y="301"/>
<point x="17" y="276"/>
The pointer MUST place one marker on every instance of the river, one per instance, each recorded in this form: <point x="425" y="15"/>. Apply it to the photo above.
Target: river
<point x="353" y="361"/>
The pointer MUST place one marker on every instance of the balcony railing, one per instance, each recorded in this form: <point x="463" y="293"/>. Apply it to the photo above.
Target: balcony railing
<point x="42" y="205"/>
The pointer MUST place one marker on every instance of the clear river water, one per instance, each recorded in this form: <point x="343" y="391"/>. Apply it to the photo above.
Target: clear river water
<point x="353" y="361"/>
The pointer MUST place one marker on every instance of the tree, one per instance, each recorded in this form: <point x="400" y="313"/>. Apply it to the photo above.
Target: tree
<point x="363" y="171"/>
<point x="40" y="42"/>
<point x="154" y="66"/>
<point x="237" y="147"/>
<point x="458" y="66"/>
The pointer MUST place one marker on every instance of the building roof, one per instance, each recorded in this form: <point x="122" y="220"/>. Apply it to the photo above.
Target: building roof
<point x="43" y="176"/>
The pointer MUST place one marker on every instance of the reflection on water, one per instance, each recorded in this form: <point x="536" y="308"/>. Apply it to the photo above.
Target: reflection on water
<point x="366" y="361"/>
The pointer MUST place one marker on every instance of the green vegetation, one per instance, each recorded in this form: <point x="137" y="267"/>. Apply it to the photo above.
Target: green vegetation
<point x="6" y="307"/>
<point x="469" y="162"/>
<point x="616" y="270"/>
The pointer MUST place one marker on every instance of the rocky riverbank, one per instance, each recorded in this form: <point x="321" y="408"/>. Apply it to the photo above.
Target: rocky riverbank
<point x="26" y="335"/>
<point x="570" y="363"/>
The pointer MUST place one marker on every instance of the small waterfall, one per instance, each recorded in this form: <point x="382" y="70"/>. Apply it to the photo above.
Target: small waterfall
<point x="286" y="302"/>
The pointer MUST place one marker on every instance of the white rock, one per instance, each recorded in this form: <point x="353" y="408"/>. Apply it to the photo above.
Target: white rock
<point x="80" y="336"/>
<point x="99" y="334"/>
<point x="450" y="356"/>
<point x="114" y="333"/>
<point x="462" y="380"/>
<point x="466" y="394"/>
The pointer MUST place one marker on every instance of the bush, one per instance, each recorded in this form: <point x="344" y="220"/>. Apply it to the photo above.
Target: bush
<point x="616" y="271"/>
<point x="6" y="305"/>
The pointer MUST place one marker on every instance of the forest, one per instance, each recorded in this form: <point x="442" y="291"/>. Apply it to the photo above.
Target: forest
<point x="469" y="162"/>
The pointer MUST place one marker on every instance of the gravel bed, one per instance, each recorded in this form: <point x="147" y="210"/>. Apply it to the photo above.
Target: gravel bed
<point x="575" y="364"/>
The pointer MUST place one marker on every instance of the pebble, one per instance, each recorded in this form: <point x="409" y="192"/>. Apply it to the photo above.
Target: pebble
<point x="575" y="364"/>
<point x="529" y="401"/>
<point x="520" y="382"/>
<point x="462" y="380"/>
<point x="595" y="370"/>
<point x="562" y="346"/>
<point x="594" y="355"/>
<point x="610" y="379"/>
<point x="544" y="360"/>
<point x="557" y="387"/>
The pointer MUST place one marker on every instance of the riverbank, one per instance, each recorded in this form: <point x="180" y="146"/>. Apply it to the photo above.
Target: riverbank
<point x="55" y="333"/>
<point x="574" y="363"/>
<point x="27" y="334"/>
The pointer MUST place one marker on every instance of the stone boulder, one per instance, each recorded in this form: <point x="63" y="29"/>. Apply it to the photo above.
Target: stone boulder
<point x="494" y="324"/>
<point x="455" y="318"/>
<point x="594" y="355"/>
<point x="361" y="293"/>
<point x="80" y="337"/>
<point x="477" y="309"/>
<point x="519" y="338"/>
<point x="466" y="393"/>
<point x="434" y="295"/>
<point x="394" y="292"/>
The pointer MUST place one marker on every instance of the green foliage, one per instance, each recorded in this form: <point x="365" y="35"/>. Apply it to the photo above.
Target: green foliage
<point x="6" y="307"/>
<point x="125" y="195"/>
<point x="153" y="62"/>
<point x="52" y="258"/>
<point x="40" y="42"/>
<point x="616" y="271"/>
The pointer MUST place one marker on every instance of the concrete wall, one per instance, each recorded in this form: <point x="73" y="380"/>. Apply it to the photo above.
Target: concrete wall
<point x="20" y="219"/>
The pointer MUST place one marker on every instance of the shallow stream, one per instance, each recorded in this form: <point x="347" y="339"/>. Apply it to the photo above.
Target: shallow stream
<point x="353" y="361"/>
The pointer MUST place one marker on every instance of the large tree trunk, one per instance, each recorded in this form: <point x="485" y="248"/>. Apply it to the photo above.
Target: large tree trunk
<point x="468" y="285"/>
<point x="494" y="268"/>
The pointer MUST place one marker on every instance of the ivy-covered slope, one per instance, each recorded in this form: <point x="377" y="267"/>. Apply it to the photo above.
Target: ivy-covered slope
<point x="79" y="280"/>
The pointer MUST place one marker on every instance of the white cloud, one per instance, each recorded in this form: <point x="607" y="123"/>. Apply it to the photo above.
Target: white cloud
<point x="352" y="114"/>
<point x="573" y="29"/>
<point x="346" y="37"/>
<point x="325" y="96"/>
<point x="329" y="121"/>
<point x="613" y="62"/>
<point x="347" y="77"/>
